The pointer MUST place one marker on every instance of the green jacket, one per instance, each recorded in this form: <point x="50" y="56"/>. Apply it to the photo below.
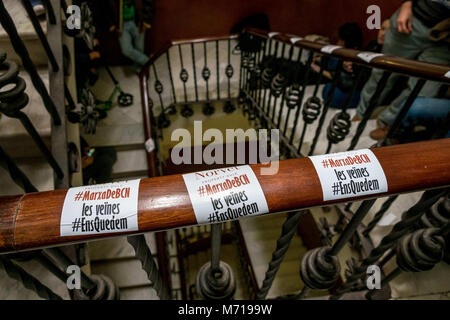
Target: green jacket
<point x="144" y="13"/>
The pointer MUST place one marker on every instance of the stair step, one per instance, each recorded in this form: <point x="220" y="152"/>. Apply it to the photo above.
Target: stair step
<point x="129" y="162"/>
<point x="125" y="273"/>
<point x="40" y="174"/>
<point x="14" y="290"/>
<point x="139" y="293"/>
<point x="12" y="131"/>
<point x="116" y="248"/>
<point x="261" y="235"/>
<point x="26" y="32"/>
<point x="117" y="135"/>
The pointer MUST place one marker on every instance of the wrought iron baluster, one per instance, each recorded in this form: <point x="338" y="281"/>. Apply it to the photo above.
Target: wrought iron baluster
<point x="261" y="88"/>
<point x="163" y="122"/>
<point x="229" y="107"/>
<point x="384" y="207"/>
<point x="438" y="215"/>
<point x="186" y="111"/>
<point x="326" y="106"/>
<point x="293" y="93"/>
<point x="279" y="84"/>
<point x="401" y="228"/>
<point x="404" y="110"/>
<point x="371" y="107"/>
<point x="195" y="71"/>
<point x="215" y="280"/>
<point x="252" y="110"/>
<point x="37" y="27"/>
<point x="208" y="109"/>
<point x="304" y="84"/>
<point x="171" y="77"/>
<point x="217" y="69"/>
<point x="320" y="267"/>
<point x="22" y="52"/>
<point x="312" y="106"/>
<point x="50" y="11"/>
<point x="280" y="112"/>
<point x="417" y="252"/>
<point x="339" y="126"/>
<point x="12" y="101"/>
<point x="287" y="233"/>
<point x="272" y="78"/>
<point x="267" y="75"/>
<point x="16" y="174"/>
<point x="28" y="281"/>
<point x="144" y="254"/>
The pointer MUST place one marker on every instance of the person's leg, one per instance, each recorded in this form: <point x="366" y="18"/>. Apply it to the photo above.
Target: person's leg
<point x="428" y="112"/>
<point x="127" y="40"/>
<point x="395" y="44"/>
<point x="438" y="53"/>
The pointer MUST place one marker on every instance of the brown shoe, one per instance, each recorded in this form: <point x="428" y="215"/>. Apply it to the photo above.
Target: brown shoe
<point x="379" y="133"/>
<point x="356" y="118"/>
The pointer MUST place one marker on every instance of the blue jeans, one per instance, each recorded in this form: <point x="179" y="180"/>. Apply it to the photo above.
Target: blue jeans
<point x="132" y="43"/>
<point x="340" y="97"/>
<point x="416" y="46"/>
<point x="35" y="2"/>
<point x="429" y="112"/>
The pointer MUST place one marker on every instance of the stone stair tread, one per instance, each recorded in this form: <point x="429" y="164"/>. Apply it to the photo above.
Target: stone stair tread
<point x="125" y="273"/>
<point x="116" y="135"/>
<point x="35" y="110"/>
<point x="130" y="161"/>
<point x="285" y="285"/>
<point x="289" y="267"/>
<point x="38" y="172"/>
<point x="139" y="293"/>
<point x="21" y="20"/>
<point x="116" y="248"/>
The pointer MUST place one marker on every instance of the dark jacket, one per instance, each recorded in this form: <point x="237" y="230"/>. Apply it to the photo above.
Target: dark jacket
<point x="108" y="14"/>
<point x="430" y="12"/>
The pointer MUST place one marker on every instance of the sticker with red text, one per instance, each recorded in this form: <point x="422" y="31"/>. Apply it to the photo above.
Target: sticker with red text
<point x="101" y="208"/>
<point x="349" y="174"/>
<point x="221" y="195"/>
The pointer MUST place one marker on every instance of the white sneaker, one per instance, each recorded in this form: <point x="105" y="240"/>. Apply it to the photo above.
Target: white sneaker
<point x="39" y="9"/>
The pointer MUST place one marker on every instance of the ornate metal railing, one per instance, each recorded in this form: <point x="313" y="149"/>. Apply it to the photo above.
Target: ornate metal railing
<point x="275" y="71"/>
<point x="164" y="203"/>
<point x="269" y="100"/>
<point x="13" y="99"/>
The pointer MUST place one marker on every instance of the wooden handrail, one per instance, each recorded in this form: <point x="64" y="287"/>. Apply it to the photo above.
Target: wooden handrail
<point x="429" y="71"/>
<point x="32" y="220"/>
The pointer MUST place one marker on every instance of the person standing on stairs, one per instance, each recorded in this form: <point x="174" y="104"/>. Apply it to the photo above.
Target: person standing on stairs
<point x="131" y="18"/>
<point x="410" y="36"/>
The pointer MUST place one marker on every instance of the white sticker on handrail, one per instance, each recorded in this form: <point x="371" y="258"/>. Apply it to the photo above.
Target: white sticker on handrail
<point x="368" y="56"/>
<point x="349" y="174"/>
<point x="221" y="195"/>
<point x="447" y="74"/>
<point x="272" y="34"/>
<point x="150" y="145"/>
<point x="102" y="208"/>
<point x="295" y="39"/>
<point x="330" y="48"/>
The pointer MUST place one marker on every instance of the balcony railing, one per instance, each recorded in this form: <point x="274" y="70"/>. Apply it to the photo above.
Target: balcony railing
<point x="32" y="221"/>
